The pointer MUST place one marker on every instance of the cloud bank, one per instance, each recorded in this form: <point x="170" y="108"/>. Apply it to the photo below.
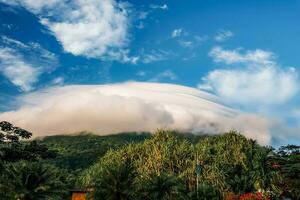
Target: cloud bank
<point x="132" y="106"/>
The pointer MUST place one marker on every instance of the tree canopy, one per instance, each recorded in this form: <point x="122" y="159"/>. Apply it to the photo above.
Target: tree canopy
<point x="228" y="163"/>
<point x="165" y="165"/>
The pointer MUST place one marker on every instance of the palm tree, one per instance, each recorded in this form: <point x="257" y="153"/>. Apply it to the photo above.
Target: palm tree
<point x="32" y="181"/>
<point x="116" y="182"/>
<point x="162" y="186"/>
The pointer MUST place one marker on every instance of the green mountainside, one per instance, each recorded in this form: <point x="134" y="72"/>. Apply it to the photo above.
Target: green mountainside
<point x="81" y="150"/>
<point x="164" y="165"/>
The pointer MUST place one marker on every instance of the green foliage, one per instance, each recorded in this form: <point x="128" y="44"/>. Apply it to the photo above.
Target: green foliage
<point x="287" y="160"/>
<point x="229" y="162"/>
<point x="21" y="176"/>
<point x="32" y="181"/>
<point x="13" y="150"/>
<point x="79" y="151"/>
<point x="117" y="182"/>
<point x="232" y="162"/>
<point x="205" y="192"/>
<point x="161" y="186"/>
<point x="12" y="134"/>
<point x="165" y="165"/>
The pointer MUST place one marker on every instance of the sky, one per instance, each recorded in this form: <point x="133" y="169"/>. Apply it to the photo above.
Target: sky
<point x="107" y="66"/>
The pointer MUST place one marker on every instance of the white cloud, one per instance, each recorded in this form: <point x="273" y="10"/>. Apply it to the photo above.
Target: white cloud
<point x="94" y="28"/>
<point x="17" y="70"/>
<point x="123" y="56"/>
<point x="161" y="7"/>
<point x="176" y="33"/>
<point x="154" y="56"/>
<point x="22" y="64"/>
<point x="167" y="74"/>
<point x="58" y="81"/>
<point x="35" y="5"/>
<point x="266" y="85"/>
<point x="133" y="106"/>
<point x="139" y="18"/>
<point x="223" y="35"/>
<point x="192" y="42"/>
<point x="142" y="57"/>
<point x="259" y="79"/>
<point x="257" y="56"/>
<point x="186" y="44"/>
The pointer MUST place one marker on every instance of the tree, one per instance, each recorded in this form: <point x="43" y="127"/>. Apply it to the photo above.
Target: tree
<point x="166" y="165"/>
<point x="287" y="161"/>
<point x="13" y="149"/>
<point x="21" y="176"/>
<point x="116" y="182"/>
<point x="32" y="181"/>
<point x="12" y="134"/>
<point x="234" y="163"/>
<point x="162" y="186"/>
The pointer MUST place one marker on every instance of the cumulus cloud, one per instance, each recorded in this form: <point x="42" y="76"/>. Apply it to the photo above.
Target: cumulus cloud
<point x="22" y="63"/>
<point x="258" y="85"/>
<point x="132" y="106"/>
<point x="257" y="80"/>
<point x="94" y="28"/>
<point x="223" y="35"/>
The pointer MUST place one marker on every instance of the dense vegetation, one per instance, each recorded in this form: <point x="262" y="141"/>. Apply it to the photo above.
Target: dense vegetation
<point x="82" y="150"/>
<point x="165" y="165"/>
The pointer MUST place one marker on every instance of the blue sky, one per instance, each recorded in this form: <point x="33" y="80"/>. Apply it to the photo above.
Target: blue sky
<point x="243" y="52"/>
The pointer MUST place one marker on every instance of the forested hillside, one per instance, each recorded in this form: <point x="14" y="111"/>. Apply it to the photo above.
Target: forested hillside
<point x="80" y="150"/>
<point x="162" y="165"/>
<point x="168" y="166"/>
